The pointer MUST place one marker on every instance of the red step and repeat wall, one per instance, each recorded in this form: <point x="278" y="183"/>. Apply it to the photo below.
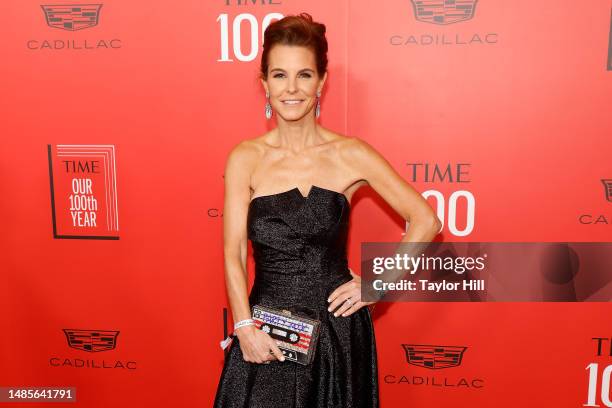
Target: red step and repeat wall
<point x="117" y="119"/>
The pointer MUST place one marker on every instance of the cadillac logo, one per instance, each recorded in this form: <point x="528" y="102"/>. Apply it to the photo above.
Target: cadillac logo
<point x="443" y="11"/>
<point x="91" y="340"/>
<point x="72" y="17"/>
<point x="433" y="357"/>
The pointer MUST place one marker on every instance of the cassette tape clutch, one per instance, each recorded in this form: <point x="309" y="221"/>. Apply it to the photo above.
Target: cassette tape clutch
<point x="295" y="335"/>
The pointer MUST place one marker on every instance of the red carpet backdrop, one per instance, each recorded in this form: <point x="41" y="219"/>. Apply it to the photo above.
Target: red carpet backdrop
<point x="117" y="119"/>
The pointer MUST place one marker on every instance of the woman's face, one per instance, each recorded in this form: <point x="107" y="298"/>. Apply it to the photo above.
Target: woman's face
<point x="293" y="81"/>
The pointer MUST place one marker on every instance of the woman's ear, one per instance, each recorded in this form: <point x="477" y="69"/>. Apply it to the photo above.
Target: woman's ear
<point x="323" y="81"/>
<point x="264" y="84"/>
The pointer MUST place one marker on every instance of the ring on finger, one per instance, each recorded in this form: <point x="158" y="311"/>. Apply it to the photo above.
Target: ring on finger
<point x="351" y="304"/>
<point x="342" y="308"/>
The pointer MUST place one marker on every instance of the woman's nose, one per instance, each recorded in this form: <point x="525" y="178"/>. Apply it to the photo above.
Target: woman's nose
<point x="292" y="86"/>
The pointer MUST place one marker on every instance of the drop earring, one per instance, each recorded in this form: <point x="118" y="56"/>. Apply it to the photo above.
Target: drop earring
<point x="268" y="106"/>
<point x="318" y="108"/>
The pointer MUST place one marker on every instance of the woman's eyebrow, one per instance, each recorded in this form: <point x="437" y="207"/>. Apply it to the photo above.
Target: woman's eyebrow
<point x="303" y="69"/>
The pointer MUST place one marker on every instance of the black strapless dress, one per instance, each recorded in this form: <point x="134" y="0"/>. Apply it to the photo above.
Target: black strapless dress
<point x="299" y="247"/>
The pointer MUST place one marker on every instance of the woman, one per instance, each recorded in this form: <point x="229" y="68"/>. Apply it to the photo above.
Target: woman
<point x="289" y="191"/>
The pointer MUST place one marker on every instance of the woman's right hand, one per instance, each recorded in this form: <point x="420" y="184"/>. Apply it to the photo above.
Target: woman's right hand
<point x="256" y="345"/>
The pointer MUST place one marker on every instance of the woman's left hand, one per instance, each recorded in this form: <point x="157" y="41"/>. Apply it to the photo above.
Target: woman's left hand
<point x="348" y="297"/>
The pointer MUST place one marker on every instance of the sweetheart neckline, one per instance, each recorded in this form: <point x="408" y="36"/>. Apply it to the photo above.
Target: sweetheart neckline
<point x="304" y="197"/>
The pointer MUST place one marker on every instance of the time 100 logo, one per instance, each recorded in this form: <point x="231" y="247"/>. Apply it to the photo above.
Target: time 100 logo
<point x="234" y="29"/>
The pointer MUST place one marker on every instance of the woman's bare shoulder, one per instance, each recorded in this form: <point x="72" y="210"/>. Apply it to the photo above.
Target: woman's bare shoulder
<point x="348" y="145"/>
<point x="248" y="150"/>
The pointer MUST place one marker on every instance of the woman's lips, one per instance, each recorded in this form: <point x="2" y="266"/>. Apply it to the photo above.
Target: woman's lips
<point x="292" y="102"/>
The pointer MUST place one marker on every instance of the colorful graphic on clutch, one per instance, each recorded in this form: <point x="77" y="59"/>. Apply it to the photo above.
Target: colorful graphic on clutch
<point x="433" y="357"/>
<point x="279" y="333"/>
<point x="83" y="191"/>
<point x="72" y="17"/>
<point x="443" y="11"/>
<point x="295" y="336"/>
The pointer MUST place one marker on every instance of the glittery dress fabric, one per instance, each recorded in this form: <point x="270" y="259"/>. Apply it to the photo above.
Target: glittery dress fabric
<point x="299" y="248"/>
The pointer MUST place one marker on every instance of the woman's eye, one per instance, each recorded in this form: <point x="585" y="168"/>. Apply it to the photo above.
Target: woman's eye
<point x="305" y="75"/>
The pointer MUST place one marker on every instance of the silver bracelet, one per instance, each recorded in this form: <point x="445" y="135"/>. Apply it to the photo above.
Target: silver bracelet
<point x="245" y="322"/>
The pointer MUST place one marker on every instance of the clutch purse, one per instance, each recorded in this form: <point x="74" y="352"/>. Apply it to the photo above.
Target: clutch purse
<point x="295" y="335"/>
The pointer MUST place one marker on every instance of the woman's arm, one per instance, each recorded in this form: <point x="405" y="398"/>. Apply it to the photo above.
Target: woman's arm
<point x="254" y="343"/>
<point x="235" y="206"/>
<point x="367" y="164"/>
<point x="372" y="167"/>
